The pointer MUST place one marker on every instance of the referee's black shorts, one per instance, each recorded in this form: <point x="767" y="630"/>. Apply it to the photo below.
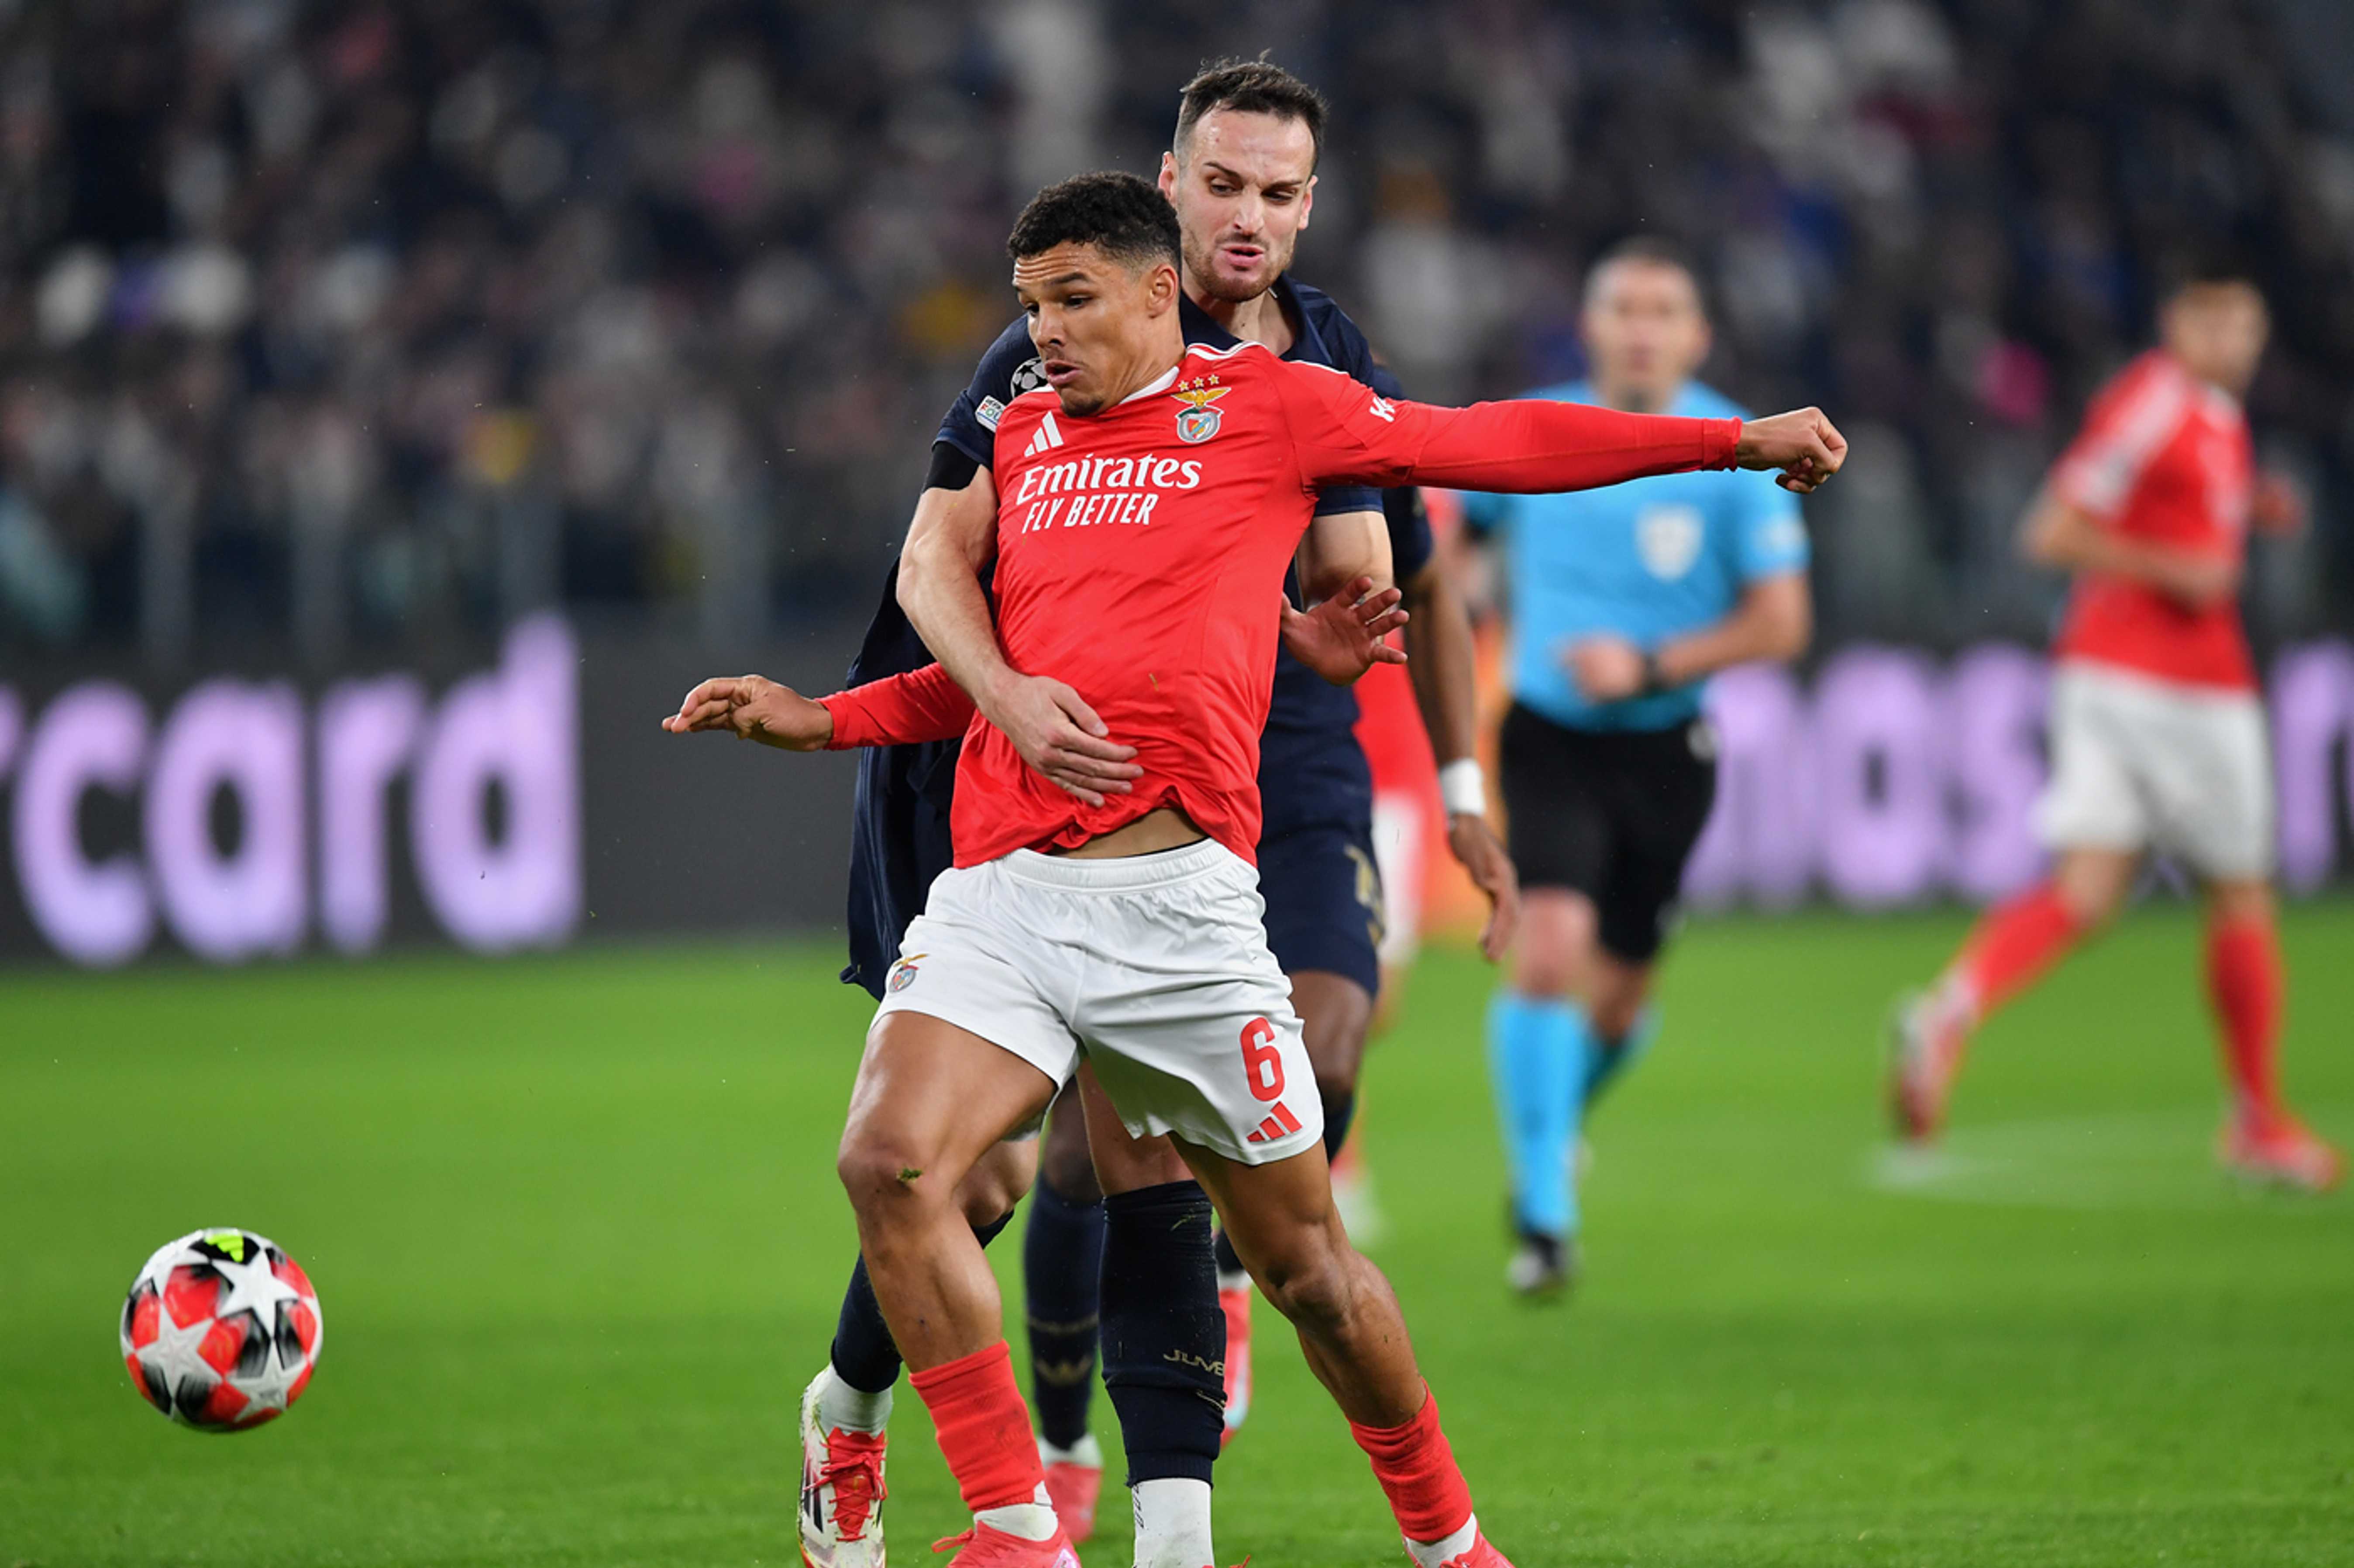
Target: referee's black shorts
<point x="1612" y="814"/>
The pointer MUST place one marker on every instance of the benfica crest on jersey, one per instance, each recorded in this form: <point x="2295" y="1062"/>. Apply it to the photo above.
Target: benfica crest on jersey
<point x="1198" y="421"/>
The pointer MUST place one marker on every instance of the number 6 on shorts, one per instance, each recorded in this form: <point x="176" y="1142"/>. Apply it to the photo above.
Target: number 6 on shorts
<point x="1262" y="1062"/>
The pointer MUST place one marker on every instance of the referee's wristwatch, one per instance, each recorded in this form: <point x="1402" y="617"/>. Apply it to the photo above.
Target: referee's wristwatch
<point x="1655" y="679"/>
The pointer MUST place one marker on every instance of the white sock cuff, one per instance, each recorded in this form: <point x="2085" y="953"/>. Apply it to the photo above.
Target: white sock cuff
<point x="843" y="1408"/>
<point x="1435" y="1553"/>
<point x="1173" y="1523"/>
<point x="1085" y="1452"/>
<point x="1030" y="1520"/>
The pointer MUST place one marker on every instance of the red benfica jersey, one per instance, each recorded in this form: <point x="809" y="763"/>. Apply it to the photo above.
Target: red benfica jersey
<point x="1140" y="555"/>
<point x="2163" y="459"/>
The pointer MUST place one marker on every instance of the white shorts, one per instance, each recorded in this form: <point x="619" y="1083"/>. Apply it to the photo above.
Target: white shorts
<point x="1155" y="966"/>
<point x="2140" y="763"/>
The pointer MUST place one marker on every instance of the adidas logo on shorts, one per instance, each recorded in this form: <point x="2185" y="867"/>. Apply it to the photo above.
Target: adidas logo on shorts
<point x="1280" y="1125"/>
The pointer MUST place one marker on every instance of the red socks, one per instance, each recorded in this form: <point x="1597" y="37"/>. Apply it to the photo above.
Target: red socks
<point x="2244" y="981"/>
<point x="984" y="1428"/>
<point x="2014" y="945"/>
<point x="1417" y="1470"/>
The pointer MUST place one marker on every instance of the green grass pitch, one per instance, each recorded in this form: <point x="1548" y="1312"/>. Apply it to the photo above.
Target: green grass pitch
<point x="579" y="1243"/>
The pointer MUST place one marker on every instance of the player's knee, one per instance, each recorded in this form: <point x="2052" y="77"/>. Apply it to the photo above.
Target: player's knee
<point x="2230" y="903"/>
<point x="1065" y="1162"/>
<point x="1543" y="969"/>
<point x="1335" y="1016"/>
<point x="1339" y="1054"/>
<point x="1131" y="1165"/>
<point x="2091" y="883"/>
<point x="1308" y="1278"/>
<point x="887" y="1175"/>
<point x="991" y="1189"/>
<point x="1614" y="1017"/>
<point x="1556" y="946"/>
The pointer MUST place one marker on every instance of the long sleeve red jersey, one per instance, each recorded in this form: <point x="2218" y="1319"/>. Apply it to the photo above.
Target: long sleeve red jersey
<point x="2163" y="459"/>
<point x="1140" y="550"/>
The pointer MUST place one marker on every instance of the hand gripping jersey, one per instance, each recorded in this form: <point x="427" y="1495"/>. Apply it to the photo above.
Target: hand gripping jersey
<point x="1306" y="750"/>
<point x="2163" y="459"/>
<point x="1141" y="552"/>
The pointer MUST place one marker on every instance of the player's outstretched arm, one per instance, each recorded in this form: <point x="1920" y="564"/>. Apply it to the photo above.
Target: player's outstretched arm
<point x="899" y="710"/>
<point x="1049" y="724"/>
<point x="753" y="707"/>
<point x="1344" y="636"/>
<point x="1343" y="432"/>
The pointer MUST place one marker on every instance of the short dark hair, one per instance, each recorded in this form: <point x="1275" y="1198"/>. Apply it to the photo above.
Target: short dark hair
<point x="1250" y="87"/>
<point x="1125" y="218"/>
<point x="1648" y="250"/>
<point x="2204" y="266"/>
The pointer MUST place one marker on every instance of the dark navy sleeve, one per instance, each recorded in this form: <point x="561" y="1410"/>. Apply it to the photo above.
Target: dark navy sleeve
<point x="899" y="818"/>
<point x="1009" y="369"/>
<point x="1347" y="350"/>
<point x="899" y="821"/>
<point x="1410" y="545"/>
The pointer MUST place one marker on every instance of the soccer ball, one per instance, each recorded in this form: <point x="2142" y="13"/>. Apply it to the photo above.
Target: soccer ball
<point x="221" y="1329"/>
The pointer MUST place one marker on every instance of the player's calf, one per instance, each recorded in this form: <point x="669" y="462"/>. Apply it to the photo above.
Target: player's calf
<point x="1281" y="1218"/>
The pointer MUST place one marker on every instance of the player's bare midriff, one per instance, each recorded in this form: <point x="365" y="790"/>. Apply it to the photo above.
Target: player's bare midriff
<point x="1164" y="828"/>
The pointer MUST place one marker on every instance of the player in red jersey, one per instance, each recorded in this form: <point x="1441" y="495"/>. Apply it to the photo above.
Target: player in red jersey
<point x="2157" y="733"/>
<point x="1103" y="918"/>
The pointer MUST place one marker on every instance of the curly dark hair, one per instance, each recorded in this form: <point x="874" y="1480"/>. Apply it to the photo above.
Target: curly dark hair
<point x="1125" y="218"/>
<point x="1249" y="87"/>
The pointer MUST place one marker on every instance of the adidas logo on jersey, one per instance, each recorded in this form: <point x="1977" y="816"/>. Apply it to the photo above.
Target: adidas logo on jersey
<point x="1047" y="439"/>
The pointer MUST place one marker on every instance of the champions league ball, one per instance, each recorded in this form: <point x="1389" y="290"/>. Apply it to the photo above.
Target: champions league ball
<point x="221" y="1329"/>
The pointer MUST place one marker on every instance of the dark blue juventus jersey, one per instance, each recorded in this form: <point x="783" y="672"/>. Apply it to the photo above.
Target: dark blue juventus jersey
<point x="1311" y="770"/>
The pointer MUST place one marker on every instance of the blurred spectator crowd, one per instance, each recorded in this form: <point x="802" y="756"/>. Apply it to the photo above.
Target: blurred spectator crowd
<point x="364" y="325"/>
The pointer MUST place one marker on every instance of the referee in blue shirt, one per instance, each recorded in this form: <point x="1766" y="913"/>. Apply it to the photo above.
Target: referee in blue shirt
<point x="1622" y="602"/>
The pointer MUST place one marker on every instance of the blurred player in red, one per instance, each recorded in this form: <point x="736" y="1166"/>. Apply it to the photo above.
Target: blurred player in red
<point x="2157" y="732"/>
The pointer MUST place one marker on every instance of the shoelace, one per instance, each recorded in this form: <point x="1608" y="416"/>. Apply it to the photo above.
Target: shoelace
<point x="854" y="1471"/>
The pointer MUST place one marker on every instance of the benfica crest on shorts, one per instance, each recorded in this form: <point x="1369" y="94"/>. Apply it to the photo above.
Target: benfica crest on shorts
<point x="1198" y="421"/>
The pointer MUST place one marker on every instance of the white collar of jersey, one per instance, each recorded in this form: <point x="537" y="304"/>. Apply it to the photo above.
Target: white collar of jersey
<point x="1168" y="378"/>
<point x="2221" y="404"/>
<point x="1160" y="382"/>
<point x="2217" y="400"/>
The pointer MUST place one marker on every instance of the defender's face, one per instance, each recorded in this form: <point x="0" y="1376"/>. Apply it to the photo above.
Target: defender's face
<point x="1643" y="328"/>
<point x="1090" y="319"/>
<point x="1242" y="192"/>
<point x="2218" y="331"/>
